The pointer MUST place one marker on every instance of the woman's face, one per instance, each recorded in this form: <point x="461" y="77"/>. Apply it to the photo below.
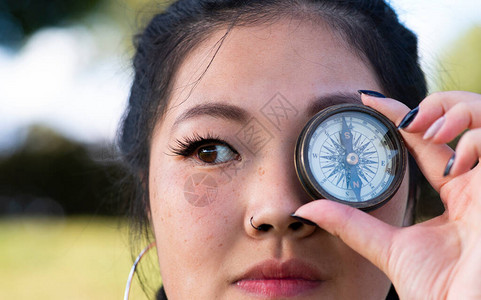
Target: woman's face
<point x="223" y="154"/>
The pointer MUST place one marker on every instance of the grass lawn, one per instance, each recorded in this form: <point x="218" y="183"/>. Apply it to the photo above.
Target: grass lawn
<point x="67" y="258"/>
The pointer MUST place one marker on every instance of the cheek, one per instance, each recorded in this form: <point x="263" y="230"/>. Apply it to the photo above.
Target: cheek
<point x="194" y="217"/>
<point x="187" y="198"/>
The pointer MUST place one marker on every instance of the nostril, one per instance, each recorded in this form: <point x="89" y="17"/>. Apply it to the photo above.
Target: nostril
<point x="304" y="221"/>
<point x="264" y="227"/>
<point x="295" y="226"/>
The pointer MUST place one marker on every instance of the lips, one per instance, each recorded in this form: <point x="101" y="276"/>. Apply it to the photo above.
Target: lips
<point x="272" y="279"/>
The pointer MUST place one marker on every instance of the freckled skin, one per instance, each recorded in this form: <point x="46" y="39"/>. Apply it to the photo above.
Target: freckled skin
<point x="202" y="250"/>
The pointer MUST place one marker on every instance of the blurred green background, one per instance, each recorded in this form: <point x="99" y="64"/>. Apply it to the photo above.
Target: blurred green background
<point x="64" y="80"/>
<point x="63" y="234"/>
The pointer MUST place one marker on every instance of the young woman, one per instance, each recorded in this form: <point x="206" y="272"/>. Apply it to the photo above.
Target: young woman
<point x="222" y="90"/>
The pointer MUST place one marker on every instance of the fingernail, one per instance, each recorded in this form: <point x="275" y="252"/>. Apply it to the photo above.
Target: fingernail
<point x="449" y="165"/>
<point x="371" y="93"/>
<point x="408" y="118"/>
<point x="434" y="128"/>
<point x="305" y="221"/>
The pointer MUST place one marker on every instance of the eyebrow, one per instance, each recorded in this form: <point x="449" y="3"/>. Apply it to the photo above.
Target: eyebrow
<point x="240" y="115"/>
<point x="216" y="110"/>
<point x="324" y="101"/>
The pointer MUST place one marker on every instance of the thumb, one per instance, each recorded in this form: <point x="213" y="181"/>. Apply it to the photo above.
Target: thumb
<point x="365" y="234"/>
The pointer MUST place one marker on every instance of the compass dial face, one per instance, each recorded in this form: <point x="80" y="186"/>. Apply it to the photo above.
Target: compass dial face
<point x="351" y="154"/>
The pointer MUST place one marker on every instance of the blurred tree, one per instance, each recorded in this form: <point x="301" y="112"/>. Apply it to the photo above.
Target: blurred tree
<point x="20" y="18"/>
<point x="50" y="174"/>
<point x="460" y="66"/>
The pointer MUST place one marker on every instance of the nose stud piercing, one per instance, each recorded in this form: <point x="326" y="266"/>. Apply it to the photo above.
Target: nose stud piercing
<point x="262" y="227"/>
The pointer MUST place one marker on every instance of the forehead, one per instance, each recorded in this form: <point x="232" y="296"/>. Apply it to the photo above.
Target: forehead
<point x="249" y="65"/>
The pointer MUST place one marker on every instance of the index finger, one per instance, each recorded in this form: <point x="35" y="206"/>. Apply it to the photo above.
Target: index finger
<point x="458" y="109"/>
<point x="431" y="158"/>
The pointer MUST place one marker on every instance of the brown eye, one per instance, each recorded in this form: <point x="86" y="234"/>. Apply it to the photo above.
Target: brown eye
<point x="216" y="154"/>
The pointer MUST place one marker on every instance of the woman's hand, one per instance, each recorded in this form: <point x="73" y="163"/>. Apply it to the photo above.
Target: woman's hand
<point x="439" y="258"/>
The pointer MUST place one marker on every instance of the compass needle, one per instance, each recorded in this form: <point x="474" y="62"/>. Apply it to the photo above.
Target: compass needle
<point x="356" y="184"/>
<point x="351" y="154"/>
<point x="346" y="136"/>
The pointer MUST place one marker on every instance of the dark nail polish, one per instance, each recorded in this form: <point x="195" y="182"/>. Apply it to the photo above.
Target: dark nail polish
<point x="305" y="221"/>
<point x="449" y="165"/>
<point x="408" y="119"/>
<point x="371" y="93"/>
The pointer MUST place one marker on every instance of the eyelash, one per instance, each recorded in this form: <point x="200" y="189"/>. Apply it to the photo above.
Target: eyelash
<point x="189" y="145"/>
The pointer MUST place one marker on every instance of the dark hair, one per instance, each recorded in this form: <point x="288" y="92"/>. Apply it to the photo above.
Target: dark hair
<point x="370" y="27"/>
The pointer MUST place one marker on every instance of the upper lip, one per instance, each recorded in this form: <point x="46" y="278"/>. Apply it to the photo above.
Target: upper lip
<point x="290" y="269"/>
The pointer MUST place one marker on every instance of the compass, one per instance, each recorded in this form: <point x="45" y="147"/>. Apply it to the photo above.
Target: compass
<point x="351" y="154"/>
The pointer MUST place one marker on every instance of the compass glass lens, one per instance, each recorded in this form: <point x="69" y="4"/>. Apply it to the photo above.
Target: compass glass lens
<point x="352" y="156"/>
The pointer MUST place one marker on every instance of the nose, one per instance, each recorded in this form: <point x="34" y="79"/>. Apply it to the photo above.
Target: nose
<point x="272" y="198"/>
<point x="281" y="225"/>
